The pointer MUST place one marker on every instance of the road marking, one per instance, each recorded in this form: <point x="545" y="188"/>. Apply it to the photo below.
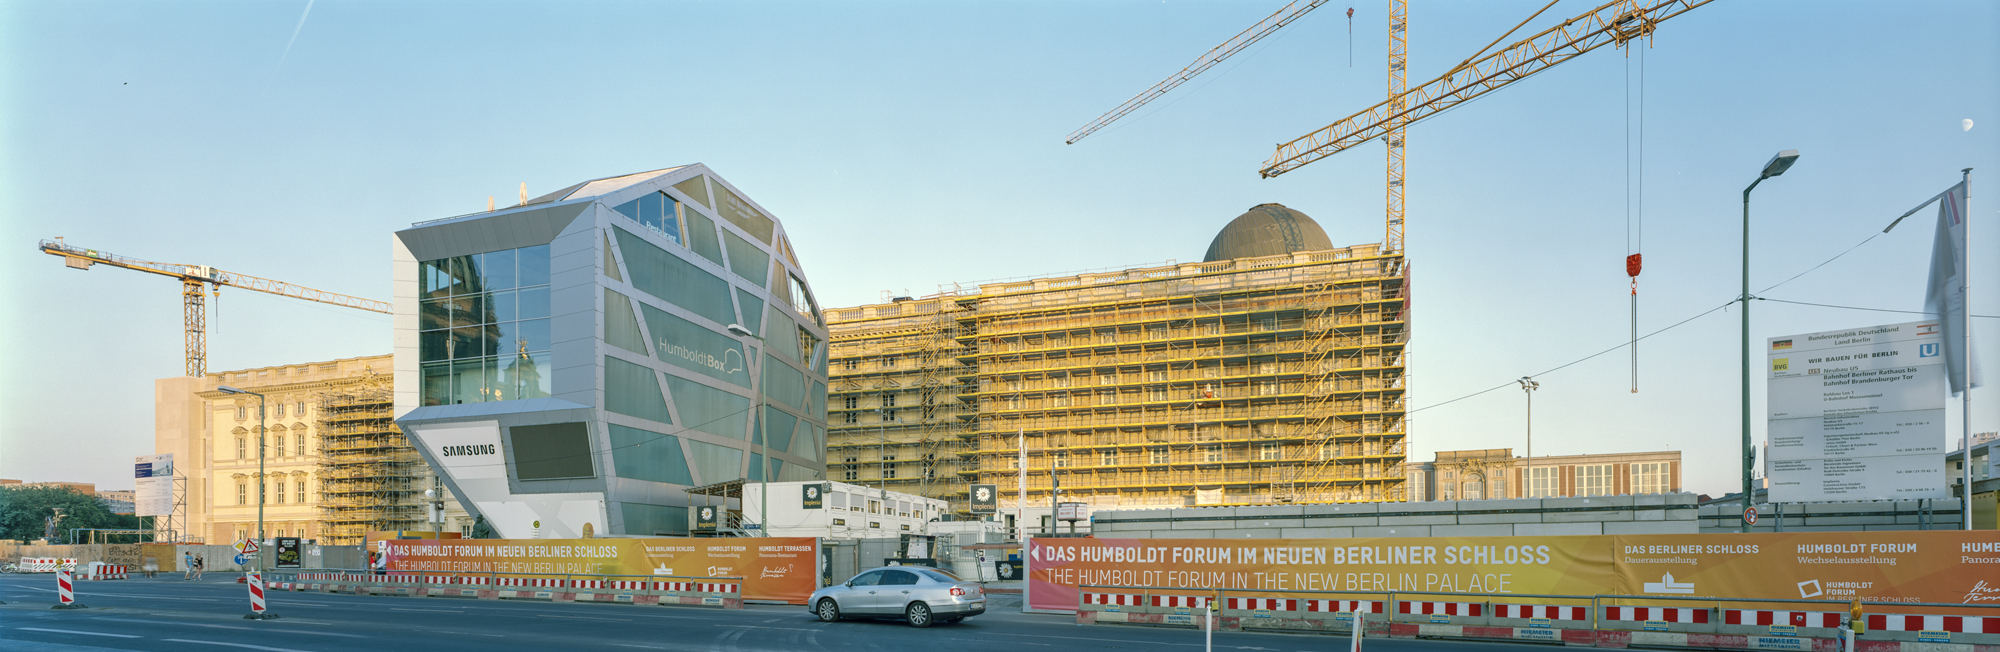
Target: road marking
<point x="442" y="611"/>
<point x="241" y="645"/>
<point x="127" y="595"/>
<point x="72" y="631"/>
<point x="788" y="629"/>
<point x="626" y="620"/>
<point x="649" y="647"/>
<point x="236" y="627"/>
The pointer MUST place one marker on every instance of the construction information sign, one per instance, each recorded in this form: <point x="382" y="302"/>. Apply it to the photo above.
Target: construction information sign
<point x="1857" y="414"/>
<point x="153" y="485"/>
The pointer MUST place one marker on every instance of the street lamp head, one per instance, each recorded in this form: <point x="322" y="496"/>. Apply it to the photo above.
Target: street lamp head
<point x="739" y="331"/>
<point x="1780" y="163"/>
<point x="229" y="390"/>
<point x="1528" y="384"/>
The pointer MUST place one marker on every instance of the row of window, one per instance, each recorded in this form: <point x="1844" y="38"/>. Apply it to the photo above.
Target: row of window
<point x="298" y="495"/>
<point x="1546" y="481"/>
<point x="278" y="409"/>
<point x="277" y="446"/>
<point x="486" y="272"/>
<point x="480" y="380"/>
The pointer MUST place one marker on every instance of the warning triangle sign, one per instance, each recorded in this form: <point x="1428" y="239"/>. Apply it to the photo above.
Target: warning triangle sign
<point x="249" y="546"/>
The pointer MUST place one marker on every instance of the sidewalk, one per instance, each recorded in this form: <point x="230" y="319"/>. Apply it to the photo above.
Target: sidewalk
<point x="1003" y="587"/>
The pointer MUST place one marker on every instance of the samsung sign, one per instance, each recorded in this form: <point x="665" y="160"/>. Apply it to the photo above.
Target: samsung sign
<point x="473" y="449"/>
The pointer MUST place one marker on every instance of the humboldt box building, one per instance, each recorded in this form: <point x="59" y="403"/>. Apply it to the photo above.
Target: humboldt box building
<point x="577" y="363"/>
<point x="1270" y="372"/>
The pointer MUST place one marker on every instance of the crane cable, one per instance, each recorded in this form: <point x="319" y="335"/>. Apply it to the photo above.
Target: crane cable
<point x="1635" y="212"/>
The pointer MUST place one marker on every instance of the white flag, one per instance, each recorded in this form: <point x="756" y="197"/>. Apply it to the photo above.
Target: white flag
<point x="1944" y="296"/>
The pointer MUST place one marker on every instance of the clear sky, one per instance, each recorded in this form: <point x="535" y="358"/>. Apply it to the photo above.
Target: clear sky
<point x="911" y="144"/>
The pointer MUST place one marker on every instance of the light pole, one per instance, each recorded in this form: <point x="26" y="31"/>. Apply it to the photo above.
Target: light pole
<point x="764" y="438"/>
<point x="1783" y="161"/>
<point x="1528" y="387"/>
<point x="260" y="468"/>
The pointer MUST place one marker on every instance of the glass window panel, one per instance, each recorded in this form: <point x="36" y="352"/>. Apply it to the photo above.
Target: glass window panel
<point x="436" y="282"/>
<point x="778" y="426"/>
<point x="611" y="261"/>
<point x="621" y="324"/>
<point x="753" y="310"/>
<point x="756" y="472"/>
<point x="651" y="214"/>
<point x="649" y="520"/>
<point x="715" y="463"/>
<point x="533" y="333"/>
<point x="468" y="342"/>
<point x="489" y="373"/>
<point x="806" y="442"/>
<point x="507" y="338"/>
<point x="684" y="344"/>
<point x="531" y="303"/>
<point x="475" y="274"/>
<point x="808" y="343"/>
<point x="776" y="340"/>
<point x="499" y="268"/>
<point x="437" y="384"/>
<point x="533" y="373"/>
<point x="629" y="209"/>
<point x="532" y="266"/>
<point x="710" y="410"/>
<point x="502" y="305"/>
<point x="470" y="310"/>
<point x="740" y="213"/>
<point x="670" y="223"/>
<point x="701" y="237"/>
<point x="668" y="277"/>
<point x="468" y="382"/>
<point x="500" y="382"/>
<point x="695" y="188"/>
<point x="647" y="455"/>
<point x="434" y="345"/>
<point x="746" y="260"/>
<point x="434" y="314"/>
<point x="817" y="400"/>
<point x="459" y="275"/>
<point x="784" y="384"/>
<point x="802" y="299"/>
<point x="633" y="390"/>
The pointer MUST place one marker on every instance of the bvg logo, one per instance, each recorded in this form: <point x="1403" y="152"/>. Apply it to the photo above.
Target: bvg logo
<point x="1927" y="350"/>
<point x="1781" y="364"/>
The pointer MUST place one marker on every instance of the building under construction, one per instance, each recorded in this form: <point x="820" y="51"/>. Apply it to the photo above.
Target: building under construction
<point x="371" y="479"/>
<point x="1271" y="372"/>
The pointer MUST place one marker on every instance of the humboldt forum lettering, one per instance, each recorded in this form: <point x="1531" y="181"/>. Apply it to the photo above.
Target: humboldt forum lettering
<point x="568" y="364"/>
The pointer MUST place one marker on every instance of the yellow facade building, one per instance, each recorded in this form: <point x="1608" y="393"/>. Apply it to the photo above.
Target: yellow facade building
<point x="335" y="466"/>
<point x="1271" y="372"/>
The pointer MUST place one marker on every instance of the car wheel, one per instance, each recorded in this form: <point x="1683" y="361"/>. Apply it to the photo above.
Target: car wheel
<point x="828" y="611"/>
<point x="919" y="614"/>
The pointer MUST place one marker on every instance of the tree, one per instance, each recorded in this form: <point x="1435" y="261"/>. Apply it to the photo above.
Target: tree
<point x="24" y="512"/>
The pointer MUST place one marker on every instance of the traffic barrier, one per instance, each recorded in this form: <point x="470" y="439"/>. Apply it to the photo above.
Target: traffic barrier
<point x="1592" y="621"/>
<point x="103" y="571"/>
<point x="66" y="591"/>
<point x="255" y="581"/>
<point x="44" y="564"/>
<point x="725" y="592"/>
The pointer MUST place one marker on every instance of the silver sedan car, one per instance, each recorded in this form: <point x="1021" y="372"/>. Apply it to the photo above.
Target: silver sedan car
<point x="916" y="594"/>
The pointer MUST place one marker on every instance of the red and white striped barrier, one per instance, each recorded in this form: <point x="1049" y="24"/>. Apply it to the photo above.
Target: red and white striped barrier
<point x="707" y="587"/>
<point x="1265" y="604"/>
<point x="1916" y="623"/>
<point x="65" y="591"/>
<point x="45" y="564"/>
<point x="1115" y="599"/>
<point x="544" y="582"/>
<point x="256" y="583"/>
<point x="1827" y="619"/>
<point x="1551" y="612"/>
<point x="1191" y="601"/>
<point x="104" y="572"/>
<point x="627" y="585"/>
<point x="1439" y="608"/>
<point x="1667" y="614"/>
<point x="1338" y="606"/>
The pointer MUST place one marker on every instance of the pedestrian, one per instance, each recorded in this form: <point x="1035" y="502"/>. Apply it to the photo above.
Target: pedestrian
<point x="198" y="564"/>
<point x="187" y="565"/>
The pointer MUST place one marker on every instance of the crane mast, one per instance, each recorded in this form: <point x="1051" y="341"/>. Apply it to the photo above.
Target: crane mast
<point x="195" y="279"/>
<point x="1399" y="59"/>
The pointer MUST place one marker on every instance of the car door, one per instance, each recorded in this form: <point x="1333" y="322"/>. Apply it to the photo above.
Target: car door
<point x="897" y="590"/>
<point x="861" y="595"/>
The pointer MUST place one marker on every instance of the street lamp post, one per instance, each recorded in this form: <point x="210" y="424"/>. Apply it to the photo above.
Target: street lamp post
<point x="1528" y="387"/>
<point x="763" y="436"/>
<point x="261" y="480"/>
<point x="1778" y="164"/>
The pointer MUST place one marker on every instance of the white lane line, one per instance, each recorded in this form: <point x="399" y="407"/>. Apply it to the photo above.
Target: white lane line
<point x="788" y="629"/>
<point x="442" y="611"/>
<point x="647" y="647"/>
<point x="627" y="620"/>
<point x="126" y="595"/>
<point x="72" y="631"/>
<point x="241" y="645"/>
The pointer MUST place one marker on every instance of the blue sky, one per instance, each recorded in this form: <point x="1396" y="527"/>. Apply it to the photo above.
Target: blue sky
<point x="908" y="145"/>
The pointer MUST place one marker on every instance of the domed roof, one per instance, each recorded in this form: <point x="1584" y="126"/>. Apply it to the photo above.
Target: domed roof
<point x="1267" y="230"/>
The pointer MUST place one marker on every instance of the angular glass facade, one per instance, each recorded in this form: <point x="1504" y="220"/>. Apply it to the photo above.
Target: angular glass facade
<point x="584" y="339"/>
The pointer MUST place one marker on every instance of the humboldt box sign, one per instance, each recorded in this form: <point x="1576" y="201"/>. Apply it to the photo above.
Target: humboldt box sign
<point x="1932" y="566"/>
<point x="772" y="568"/>
<point x="1857" y="414"/>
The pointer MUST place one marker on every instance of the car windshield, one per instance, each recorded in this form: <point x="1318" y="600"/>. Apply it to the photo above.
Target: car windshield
<point x="940" y="576"/>
<point x="870" y="578"/>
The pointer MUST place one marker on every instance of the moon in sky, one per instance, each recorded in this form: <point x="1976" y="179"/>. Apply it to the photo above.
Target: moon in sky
<point x="1967" y="124"/>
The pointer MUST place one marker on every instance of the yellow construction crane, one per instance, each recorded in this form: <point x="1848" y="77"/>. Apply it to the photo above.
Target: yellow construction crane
<point x="193" y="278"/>
<point x="1615" y="22"/>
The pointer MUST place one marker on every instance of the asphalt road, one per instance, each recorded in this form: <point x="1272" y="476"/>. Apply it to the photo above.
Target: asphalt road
<point x="169" y="614"/>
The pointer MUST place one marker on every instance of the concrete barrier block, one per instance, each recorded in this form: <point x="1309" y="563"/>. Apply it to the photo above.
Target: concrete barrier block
<point x="1204" y="512"/>
<point x="1650" y="527"/>
<point x="1316" y="533"/>
<point x="1650" y="515"/>
<point x="1593" y="501"/>
<point x="1438" y="519"/>
<point x="1203" y="525"/>
<point x="1355" y="508"/>
<point x="1269" y="511"/>
<point x="1435" y="506"/>
<point x="1504" y="504"/>
<point x="1556" y="529"/>
<point x="1248" y="533"/>
<point x="1494" y="530"/>
<point x="1343" y="521"/>
<point x="1500" y="517"/>
<point x="1587" y="517"/>
<point x="1393" y="531"/>
<point x="1272" y="522"/>
<point x="1649" y="499"/>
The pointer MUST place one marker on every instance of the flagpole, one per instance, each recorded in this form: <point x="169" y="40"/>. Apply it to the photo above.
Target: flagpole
<point x="1965" y="399"/>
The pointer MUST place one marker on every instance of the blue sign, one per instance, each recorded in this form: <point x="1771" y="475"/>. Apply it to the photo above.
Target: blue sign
<point x="240" y="560"/>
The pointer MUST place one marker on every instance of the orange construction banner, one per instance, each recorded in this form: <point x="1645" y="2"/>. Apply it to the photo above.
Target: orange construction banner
<point x="773" y="568"/>
<point x="1919" y="566"/>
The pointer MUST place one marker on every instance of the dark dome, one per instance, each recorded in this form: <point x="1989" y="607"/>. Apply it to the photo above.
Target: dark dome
<point x="1267" y="230"/>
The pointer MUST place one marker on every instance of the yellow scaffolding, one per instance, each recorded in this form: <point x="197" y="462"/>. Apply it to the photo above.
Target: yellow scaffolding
<point x="1248" y="381"/>
<point x="370" y="477"/>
